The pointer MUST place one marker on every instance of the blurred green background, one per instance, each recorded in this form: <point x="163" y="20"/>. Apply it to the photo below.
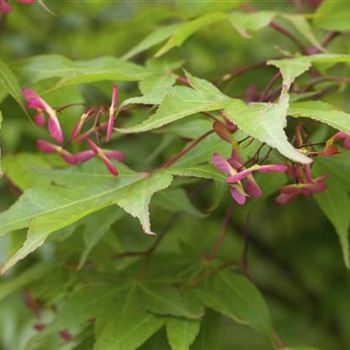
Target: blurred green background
<point x="294" y="254"/>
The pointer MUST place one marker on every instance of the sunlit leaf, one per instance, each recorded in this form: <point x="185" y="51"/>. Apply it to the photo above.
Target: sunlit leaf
<point x="188" y="28"/>
<point x="182" y="101"/>
<point x="333" y="15"/>
<point x="48" y="209"/>
<point x="71" y="72"/>
<point x="168" y="301"/>
<point x="266" y="123"/>
<point x="156" y="37"/>
<point x="245" y="22"/>
<point x="322" y="112"/>
<point x="181" y="332"/>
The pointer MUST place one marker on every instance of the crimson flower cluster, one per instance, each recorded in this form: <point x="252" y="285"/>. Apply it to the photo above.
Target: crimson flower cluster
<point x="47" y="116"/>
<point x="240" y="178"/>
<point x="5" y="7"/>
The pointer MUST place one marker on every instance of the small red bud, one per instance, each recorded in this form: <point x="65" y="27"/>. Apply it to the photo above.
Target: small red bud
<point x="222" y="131"/>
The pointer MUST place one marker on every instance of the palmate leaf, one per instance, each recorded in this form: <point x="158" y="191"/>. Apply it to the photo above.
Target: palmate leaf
<point x="166" y="300"/>
<point x="245" y="22"/>
<point x="181" y="333"/>
<point x="188" y="28"/>
<point x="9" y="83"/>
<point x="158" y="82"/>
<point x="337" y="166"/>
<point x="304" y="28"/>
<point x="236" y="298"/>
<point x="322" y="112"/>
<point x="210" y="336"/>
<point x="21" y="168"/>
<point x="31" y="274"/>
<point x="153" y="97"/>
<point x="178" y="33"/>
<point x="156" y="37"/>
<point x="208" y="172"/>
<point x="266" y="123"/>
<point x="103" y="219"/>
<point x="291" y="68"/>
<point x="49" y="208"/>
<point x="263" y="121"/>
<point x="83" y="305"/>
<point x="242" y="22"/>
<point x="180" y="102"/>
<point x="335" y="204"/>
<point x="70" y="72"/>
<point x="157" y="341"/>
<point x="333" y="15"/>
<point x="125" y="325"/>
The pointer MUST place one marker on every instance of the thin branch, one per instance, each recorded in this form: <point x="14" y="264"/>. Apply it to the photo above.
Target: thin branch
<point x="329" y="38"/>
<point x="288" y="270"/>
<point x="59" y="109"/>
<point x="244" y="260"/>
<point x="223" y="233"/>
<point x="151" y="250"/>
<point x="193" y="282"/>
<point x="262" y="161"/>
<point x="148" y="252"/>
<point x="280" y="29"/>
<point x="241" y="70"/>
<point x="269" y="86"/>
<point x="162" y="234"/>
<point x="185" y="150"/>
<point x="277" y="27"/>
<point x="319" y="80"/>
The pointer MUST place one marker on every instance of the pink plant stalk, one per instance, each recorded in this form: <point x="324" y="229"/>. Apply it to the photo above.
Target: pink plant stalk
<point x="34" y="101"/>
<point x="236" y="172"/>
<point x="48" y="147"/>
<point x="112" y="112"/>
<point x="306" y="185"/>
<point x="84" y="156"/>
<point x="87" y="134"/>
<point x="106" y="156"/>
<point x="343" y="136"/>
<point x="85" y="116"/>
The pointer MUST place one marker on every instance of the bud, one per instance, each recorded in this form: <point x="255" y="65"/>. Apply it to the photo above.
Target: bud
<point x="222" y="131"/>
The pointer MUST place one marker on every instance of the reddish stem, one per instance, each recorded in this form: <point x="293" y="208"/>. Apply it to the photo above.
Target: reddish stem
<point x="241" y="70"/>
<point x="269" y="86"/>
<point x="222" y="236"/>
<point x="185" y="150"/>
<point x="244" y="261"/>
<point x="59" y="109"/>
<point x="329" y="38"/>
<point x="288" y="34"/>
